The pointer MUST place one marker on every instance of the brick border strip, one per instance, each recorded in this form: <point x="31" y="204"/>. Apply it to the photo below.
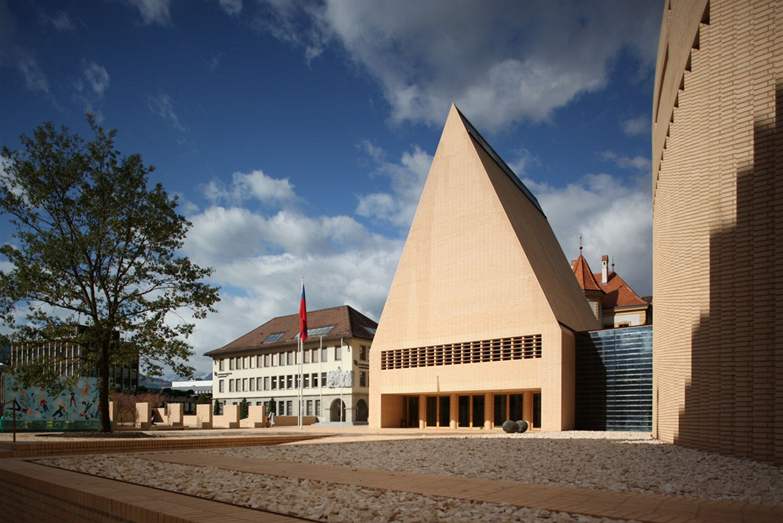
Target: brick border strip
<point x="34" y="449"/>
<point x="648" y="507"/>
<point x="67" y="496"/>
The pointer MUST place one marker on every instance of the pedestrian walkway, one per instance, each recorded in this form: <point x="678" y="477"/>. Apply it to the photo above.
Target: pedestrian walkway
<point x="651" y="508"/>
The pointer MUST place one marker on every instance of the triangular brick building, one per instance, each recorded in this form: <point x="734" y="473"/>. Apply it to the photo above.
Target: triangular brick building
<point x="480" y="319"/>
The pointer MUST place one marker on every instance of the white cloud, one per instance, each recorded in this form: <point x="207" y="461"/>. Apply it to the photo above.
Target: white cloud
<point x="97" y="77"/>
<point x="636" y="126"/>
<point x="254" y="184"/>
<point x="34" y="77"/>
<point x="614" y="216"/>
<point x="153" y="11"/>
<point x="231" y="7"/>
<point x="259" y="259"/>
<point x="639" y="163"/>
<point x="406" y="180"/>
<point x="514" y="61"/>
<point x="60" y="21"/>
<point x="163" y="106"/>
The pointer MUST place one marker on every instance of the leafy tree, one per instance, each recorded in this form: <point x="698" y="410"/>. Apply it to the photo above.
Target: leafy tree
<point x="243" y="408"/>
<point x="217" y="410"/>
<point x="95" y="258"/>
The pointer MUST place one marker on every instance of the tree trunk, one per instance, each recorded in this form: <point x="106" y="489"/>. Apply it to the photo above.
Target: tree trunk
<point x="103" y="378"/>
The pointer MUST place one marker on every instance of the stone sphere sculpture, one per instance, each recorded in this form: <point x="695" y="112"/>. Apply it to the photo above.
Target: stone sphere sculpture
<point x="510" y="426"/>
<point x="522" y="425"/>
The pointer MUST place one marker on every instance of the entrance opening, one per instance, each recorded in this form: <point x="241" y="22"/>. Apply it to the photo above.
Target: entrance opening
<point x="464" y="411"/>
<point x="412" y="411"/>
<point x="337" y="410"/>
<point x="361" y="410"/>
<point x="537" y="410"/>
<point x="444" y="414"/>
<point x="500" y="408"/>
<point x="478" y="411"/>
<point x="432" y="411"/>
<point x="515" y="407"/>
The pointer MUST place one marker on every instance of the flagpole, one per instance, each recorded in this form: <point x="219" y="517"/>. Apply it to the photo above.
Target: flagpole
<point x="301" y="346"/>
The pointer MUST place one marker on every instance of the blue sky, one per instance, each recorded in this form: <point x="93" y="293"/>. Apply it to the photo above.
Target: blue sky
<point x="298" y="134"/>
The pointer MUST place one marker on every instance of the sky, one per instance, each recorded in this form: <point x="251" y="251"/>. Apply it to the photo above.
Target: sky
<point x="297" y="135"/>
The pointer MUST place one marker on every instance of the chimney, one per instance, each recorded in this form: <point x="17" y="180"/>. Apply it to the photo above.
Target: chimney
<point x="604" y="269"/>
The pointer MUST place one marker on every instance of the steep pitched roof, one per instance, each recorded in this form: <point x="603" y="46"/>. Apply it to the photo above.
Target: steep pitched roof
<point x="345" y="322"/>
<point x="617" y="293"/>
<point x="584" y="276"/>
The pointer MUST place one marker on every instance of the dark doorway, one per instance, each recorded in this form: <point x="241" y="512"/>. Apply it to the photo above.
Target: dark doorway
<point x="444" y="416"/>
<point x="361" y="411"/>
<point x="478" y="411"/>
<point x="432" y="411"/>
<point x="464" y="411"/>
<point x="336" y="410"/>
<point x="411" y="411"/>
<point x="515" y="406"/>
<point x="537" y="409"/>
<point x="501" y="400"/>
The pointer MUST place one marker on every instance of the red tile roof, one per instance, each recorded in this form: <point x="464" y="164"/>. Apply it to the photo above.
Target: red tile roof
<point x="346" y="322"/>
<point x="617" y="293"/>
<point x="584" y="276"/>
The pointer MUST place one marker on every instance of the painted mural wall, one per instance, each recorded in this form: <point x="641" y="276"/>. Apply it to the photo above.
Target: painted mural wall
<point x="73" y="408"/>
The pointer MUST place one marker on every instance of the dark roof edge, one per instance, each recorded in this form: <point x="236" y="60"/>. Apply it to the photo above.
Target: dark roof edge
<point x="499" y="161"/>
<point x="256" y="348"/>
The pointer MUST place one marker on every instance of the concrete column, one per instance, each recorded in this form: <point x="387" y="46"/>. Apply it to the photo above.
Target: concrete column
<point x="527" y="407"/>
<point x="422" y="411"/>
<point x="453" y="411"/>
<point x="489" y="410"/>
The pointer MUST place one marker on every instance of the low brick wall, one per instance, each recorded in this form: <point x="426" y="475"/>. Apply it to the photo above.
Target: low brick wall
<point x="49" y="448"/>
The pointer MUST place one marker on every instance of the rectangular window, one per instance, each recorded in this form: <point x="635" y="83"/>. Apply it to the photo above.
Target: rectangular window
<point x="317" y="407"/>
<point x="220" y="385"/>
<point x="281" y="408"/>
<point x="252" y="384"/>
<point x="266" y="382"/>
<point x="444" y="412"/>
<point x="363" y="353"/>
<point x="362" y="379"/>
<point x="315" y="356"/>
<point x="338" y="353"/>
<point x="306" y="381"/>
<point x="274" y="382"/>
<point x="323" y="379"/>
<point x="231" y="385"/>
<point x="289" y="407"/>
<point x="309" y="408"/>
<point x="314" y="379"/>
<point x="290" y="381"/>
<point x="259" y="383"/>
<point x="266" y="360"/>
<point x="323" y="355"/>
<point x="221" y="363"/>
<point x="289" y="357"/>
<point x="231" y="364"/>
<point x="274" y="359"/>
<point x="307" y="356"/>
<point x="244" y="384"/>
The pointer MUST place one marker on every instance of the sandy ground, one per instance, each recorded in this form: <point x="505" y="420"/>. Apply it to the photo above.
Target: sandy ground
<point x="312" y="499"/>
<point x="615" y="461"/>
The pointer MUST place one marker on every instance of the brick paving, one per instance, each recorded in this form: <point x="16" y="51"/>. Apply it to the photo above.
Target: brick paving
<point x="653" y="508"/>
<point x="43" y="493"/>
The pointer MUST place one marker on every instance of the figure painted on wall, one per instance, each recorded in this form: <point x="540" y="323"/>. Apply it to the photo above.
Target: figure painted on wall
<point x="38" y="404"/>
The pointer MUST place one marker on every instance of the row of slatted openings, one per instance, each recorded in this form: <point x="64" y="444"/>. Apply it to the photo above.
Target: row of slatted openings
<point x="499" y="349"/>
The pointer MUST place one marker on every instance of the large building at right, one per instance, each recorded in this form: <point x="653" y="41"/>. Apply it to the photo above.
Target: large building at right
<point x="718" y="227"/>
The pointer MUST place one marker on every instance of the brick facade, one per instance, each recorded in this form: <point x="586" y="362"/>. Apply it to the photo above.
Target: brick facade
<point x="717" y="226"/>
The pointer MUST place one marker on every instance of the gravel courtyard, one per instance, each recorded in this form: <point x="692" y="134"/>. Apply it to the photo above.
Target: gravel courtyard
<point x="614" y="461"/>
<point x="316" y="500"/>
<point x="623" y="461"/>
